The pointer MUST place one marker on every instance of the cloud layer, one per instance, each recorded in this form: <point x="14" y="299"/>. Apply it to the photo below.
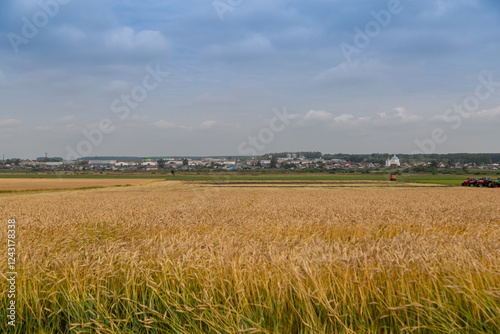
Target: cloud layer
<point x="65" y="62"/>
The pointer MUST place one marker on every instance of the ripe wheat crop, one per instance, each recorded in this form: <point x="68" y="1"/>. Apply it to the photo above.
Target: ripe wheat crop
<point x="176" y="258"/>
<point x="19" y="184"/>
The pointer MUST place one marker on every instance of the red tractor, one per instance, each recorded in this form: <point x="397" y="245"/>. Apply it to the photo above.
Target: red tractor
<point x="494" y="184"/>
<point x="484" y="182"/>
<point x="473" y="181"/>
<point x="466" y="182"/>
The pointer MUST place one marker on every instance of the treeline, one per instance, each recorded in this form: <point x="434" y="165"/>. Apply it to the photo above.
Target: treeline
<point x="463" y="158"/>
<point x="14" y="162"/>
<point x="448" y="158"/>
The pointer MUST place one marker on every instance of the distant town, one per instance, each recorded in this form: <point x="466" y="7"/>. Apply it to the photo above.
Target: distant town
<point x="285" y="161"/>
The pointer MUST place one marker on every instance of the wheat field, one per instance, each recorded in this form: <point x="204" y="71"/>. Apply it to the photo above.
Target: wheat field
<point x="174" y="257"/>
<point x="29" y="184"/>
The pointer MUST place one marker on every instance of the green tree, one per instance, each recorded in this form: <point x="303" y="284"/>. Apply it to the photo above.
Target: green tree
<point x="451" y="162"/>
<point x="161" y="163"/>
<point x="274" y="162"/>
<point x="185" y="162"/>
<point x="14" y="162"/>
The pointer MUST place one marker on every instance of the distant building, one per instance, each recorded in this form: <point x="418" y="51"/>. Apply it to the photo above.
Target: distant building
<point x="393" y="162"/>
<point x="102" y="162"/>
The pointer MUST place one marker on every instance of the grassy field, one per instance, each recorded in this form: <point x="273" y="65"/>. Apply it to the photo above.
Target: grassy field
<point x="186" y="257"/>
<point x="311" y="177"/>
<point x="445" y="179"/>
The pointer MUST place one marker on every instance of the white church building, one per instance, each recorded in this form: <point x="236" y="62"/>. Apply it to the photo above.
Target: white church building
<point x="393" y="162"/>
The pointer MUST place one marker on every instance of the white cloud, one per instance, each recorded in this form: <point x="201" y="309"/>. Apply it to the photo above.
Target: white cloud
<point x="491" y="113"/>
<point x="111" y="46"/>
<point x="399" y="114"/>
<point x="127" y="38"/>
<point x="257" y="43"/>
<point x="9" y="122"/>
<point x="487" y="113"/>
<point x="162" y="124"/>
<point x="349" y="74"/>
<point x="43" y="128"/>
<point x="344" y="118"/>
<point x="254" y="46"/>
<point x="206" y="124"/>
<point x="444" y="7"/>
<point x="137" y="119"/>
<point x="319" y="115"/>
<point x="67" y="119"/>
<point x="72" y="34"/>
<point x="327" y="117"/>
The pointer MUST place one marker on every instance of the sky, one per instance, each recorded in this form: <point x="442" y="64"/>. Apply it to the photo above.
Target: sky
<point x="240" y="77"/>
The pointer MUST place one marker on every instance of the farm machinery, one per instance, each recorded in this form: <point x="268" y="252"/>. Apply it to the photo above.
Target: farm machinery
<point x="471" y="182"/>
<point x="466" y="182"/>
<point x="481" y="182"/>
<point x="494" y="184"/>
<point x="485" y="181"/>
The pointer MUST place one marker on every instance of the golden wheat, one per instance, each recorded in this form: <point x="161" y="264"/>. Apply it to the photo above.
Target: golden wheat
<point x="22" y="184"/>
<point x="172" y="257"/>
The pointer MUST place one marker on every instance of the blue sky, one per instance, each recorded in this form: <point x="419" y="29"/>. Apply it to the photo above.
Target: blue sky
<point x="230" y="63"/>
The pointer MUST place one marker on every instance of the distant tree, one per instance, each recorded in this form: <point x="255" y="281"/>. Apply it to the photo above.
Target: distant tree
<point x="185" y="162"/>
<point x="274" y="162"/>
<point x="288" y="165"/>
<point x="451" y="162"/>
<point x="161" y="163"/>
<point x="15" y="162"/>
